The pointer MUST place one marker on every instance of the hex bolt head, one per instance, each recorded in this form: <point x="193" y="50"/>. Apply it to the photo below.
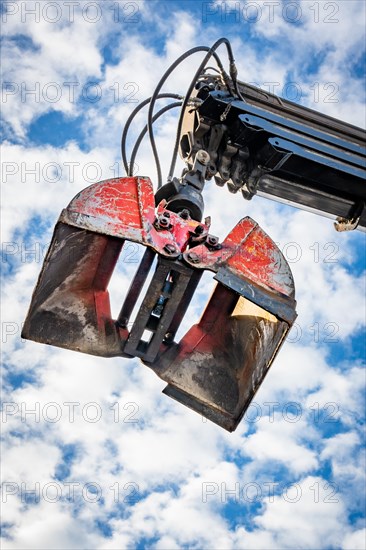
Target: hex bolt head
<point x="170" y="248"/>
<point x="163" y="221"/>
<point x="193" y="257"/>
<point x="212" y="241"/>
<point x="203" y="157"/>
<point x="185" y="214"/>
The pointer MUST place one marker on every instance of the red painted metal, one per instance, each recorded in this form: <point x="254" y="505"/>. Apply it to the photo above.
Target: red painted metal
<point x="125" y="208"/>
<point x="219" y="364"/>
<point x="248" y="252"/>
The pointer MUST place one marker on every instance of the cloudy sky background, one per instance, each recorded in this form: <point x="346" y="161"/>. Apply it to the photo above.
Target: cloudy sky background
<point x="113" y="463"/>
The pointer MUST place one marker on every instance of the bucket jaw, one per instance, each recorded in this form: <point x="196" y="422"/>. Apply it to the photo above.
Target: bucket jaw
<point x="217" y="367"/>
<point x="220" y="363"/>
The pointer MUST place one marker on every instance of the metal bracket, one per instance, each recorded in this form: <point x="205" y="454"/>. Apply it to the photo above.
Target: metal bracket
<point x="162" y="309"/>
<point x="186" y="193"/>
<point x="350" y="223"/>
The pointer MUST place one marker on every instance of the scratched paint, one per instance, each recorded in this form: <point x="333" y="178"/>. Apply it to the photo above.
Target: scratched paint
<point x="219" y="364"/>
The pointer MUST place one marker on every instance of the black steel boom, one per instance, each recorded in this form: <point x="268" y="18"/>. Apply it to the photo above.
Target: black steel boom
<point x="272" y="147"/>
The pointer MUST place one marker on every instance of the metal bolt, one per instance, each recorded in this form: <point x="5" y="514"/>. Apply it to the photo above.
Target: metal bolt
<point x="185" y="214"/>
<point x="192" y="256"/>
<point x="170" y="248"/>
<point x="123" y="322"/>
<point x="212" y="241"/>
<point x="163" y="221"/>
<point x="203" y="157"/>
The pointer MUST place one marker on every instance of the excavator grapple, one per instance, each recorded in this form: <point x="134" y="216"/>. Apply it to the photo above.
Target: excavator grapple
<point x="218" y="365"/>
<point x="242" y="138"/>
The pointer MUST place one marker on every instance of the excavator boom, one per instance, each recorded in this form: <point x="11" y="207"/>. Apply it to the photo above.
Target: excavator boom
<point x="267" y="146"/>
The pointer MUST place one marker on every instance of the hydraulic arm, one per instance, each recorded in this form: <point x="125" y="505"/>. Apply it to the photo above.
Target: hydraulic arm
<point x="263" y="145"/>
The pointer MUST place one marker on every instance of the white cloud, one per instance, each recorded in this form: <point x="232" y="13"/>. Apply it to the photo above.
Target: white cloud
<point x="40" y="529"/>
<point x="355" y="540"/>
<point x="280" y="441"/>
<point x="317" y="520"/>
<point x="170" y="453"/>
<point x="46" y="68"/>
<point x="52" y="175"/>
<point x="347" y="457"/>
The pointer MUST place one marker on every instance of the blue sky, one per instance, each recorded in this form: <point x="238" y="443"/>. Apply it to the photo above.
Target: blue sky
<point x="94" y="456"/>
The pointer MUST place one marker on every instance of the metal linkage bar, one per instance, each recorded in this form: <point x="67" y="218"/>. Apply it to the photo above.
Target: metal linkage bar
<point x="162" y="309"/>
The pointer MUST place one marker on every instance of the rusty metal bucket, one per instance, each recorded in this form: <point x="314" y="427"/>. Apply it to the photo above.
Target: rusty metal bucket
<point x="220" y="363"/>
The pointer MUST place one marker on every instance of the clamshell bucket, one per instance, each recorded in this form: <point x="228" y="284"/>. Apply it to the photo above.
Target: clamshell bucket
<point x="217" y="367"/>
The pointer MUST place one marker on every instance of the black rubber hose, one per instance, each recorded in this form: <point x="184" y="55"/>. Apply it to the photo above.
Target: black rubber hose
<point x="156" y="92"/>
<point x="211" y="51"/>
<point x="131" y="117"/>
<point x="144" y="131"/>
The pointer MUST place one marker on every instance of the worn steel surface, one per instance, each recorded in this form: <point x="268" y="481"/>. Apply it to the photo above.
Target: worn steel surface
<point x="249" y="253"/>
<point x="125" y="208"/>
<point x="219" y="364"/>
<point x="70" y="306"/>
